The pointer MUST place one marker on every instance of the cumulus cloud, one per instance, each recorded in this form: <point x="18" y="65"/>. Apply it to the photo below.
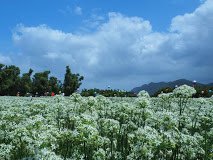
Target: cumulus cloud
<point x="125" y="51"/>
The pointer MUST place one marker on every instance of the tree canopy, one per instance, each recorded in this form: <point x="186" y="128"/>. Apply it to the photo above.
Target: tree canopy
<point x="12" y="83"/>
<point x="71" y="82"/>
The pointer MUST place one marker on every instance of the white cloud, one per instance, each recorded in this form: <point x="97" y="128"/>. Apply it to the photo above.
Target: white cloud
<point x="5" y="59"/>
<point x="93" y="21"/>
<point x="125" y="51"/>
<point x="78" y="10"/>
<point x="202" y="1"/>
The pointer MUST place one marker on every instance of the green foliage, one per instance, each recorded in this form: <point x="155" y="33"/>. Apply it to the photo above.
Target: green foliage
<point x="71" y="82"/>
<point x="206" y="91"/>
<point x="40" y="82"/>
<point x="9" y="79"/>
<point x="201" y="91"/>
<point x="25" y="85"/>
<point x="106" y="93"/>
<point x="163" y="90"/>
<point x="11" y="83"/>
<point x="54" y="85"/>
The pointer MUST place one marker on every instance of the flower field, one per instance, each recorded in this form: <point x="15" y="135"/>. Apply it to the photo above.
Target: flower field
<point x="173" y="126"/>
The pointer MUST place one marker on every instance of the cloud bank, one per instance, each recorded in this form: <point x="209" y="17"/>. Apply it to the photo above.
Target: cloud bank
<point x="123" y="51"/>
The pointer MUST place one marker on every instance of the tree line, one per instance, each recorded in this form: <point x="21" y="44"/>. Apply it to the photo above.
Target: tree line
<point x="40" y="83"/>
<point x="107" y="93"/>
<point x="201" y="91"/>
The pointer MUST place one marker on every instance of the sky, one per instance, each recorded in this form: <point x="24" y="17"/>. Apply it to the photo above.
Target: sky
<point x="117" y="43"/>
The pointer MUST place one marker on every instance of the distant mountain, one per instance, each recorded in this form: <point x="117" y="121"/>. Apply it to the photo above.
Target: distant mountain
<point x="210" y="84"/>
<point x="152" y="88"/>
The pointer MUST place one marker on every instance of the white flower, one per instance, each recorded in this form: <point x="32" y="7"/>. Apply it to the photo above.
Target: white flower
<point x="143" y="93"/>
<point x="184" y="91"/>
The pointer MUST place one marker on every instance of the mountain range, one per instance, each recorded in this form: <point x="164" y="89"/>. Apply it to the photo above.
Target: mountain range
<point x="152" y="88"/>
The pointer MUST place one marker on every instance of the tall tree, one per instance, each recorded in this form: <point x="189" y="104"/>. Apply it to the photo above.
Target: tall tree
<point x="9" y="79"/>
<point x="54" y="84"/>
<point x="71" y="82"/>
<point x="41" y="82"/>
<point x="26" y="83"/>
<point x="67" y="81"/>
<point x="2" y="79"/>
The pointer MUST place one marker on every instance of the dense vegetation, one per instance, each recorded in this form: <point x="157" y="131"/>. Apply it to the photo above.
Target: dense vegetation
<point x="172" y="126"/>
<point x="201" y="91"/>
<point x="107" y="93"/>
<point x="40" y="83"/>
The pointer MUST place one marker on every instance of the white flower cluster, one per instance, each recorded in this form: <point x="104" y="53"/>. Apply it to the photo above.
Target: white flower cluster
<point x="171" y="126"/>
<point x="143" y="93"/>
<point x="184" y="91"/>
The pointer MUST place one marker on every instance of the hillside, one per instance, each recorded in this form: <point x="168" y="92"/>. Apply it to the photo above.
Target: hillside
<point x="151" y="88"/>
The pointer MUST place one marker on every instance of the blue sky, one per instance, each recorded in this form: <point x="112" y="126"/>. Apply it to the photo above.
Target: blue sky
<point x="111" y="42"/>
<point x="60" y="14"/>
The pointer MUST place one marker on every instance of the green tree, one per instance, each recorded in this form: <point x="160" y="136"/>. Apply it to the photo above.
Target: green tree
<point x="9" y="79"/>
<point x="71" y="82"/>
<point x="54" y="84"/>
<point x="41" y="82"/>
<point x="163" y="90"/>
<point x="25" y="85"/>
